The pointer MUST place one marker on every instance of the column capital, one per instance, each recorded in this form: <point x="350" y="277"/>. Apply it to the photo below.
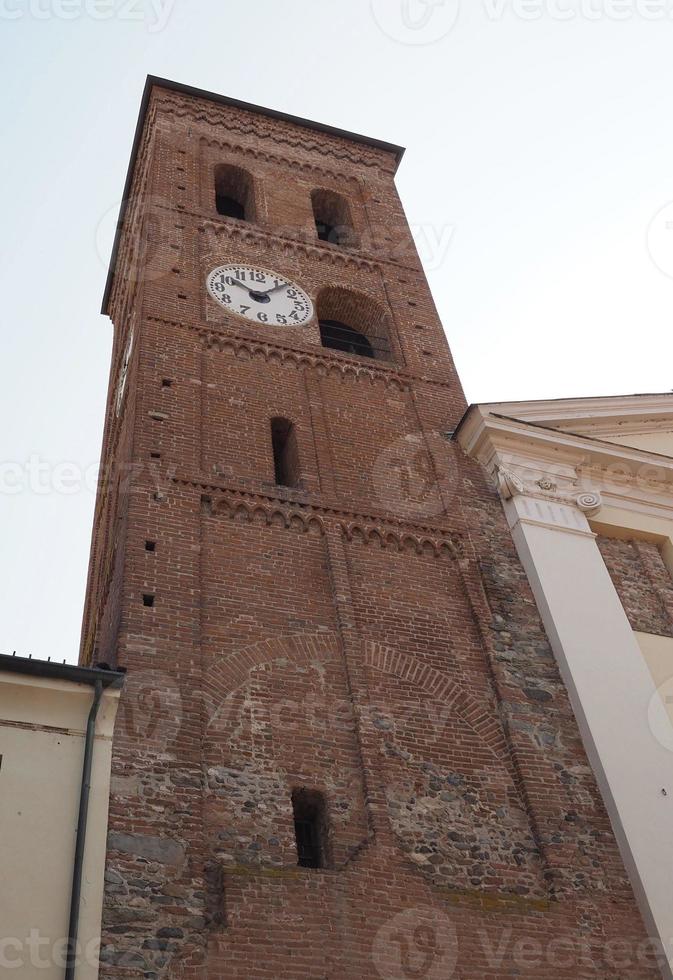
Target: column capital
<point x="511" y="484"/>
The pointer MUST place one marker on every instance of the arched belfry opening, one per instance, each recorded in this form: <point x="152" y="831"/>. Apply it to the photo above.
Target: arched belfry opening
<point x="333" y="219"/>
<point x="353" y="323"/>
<point x="234" y="192"/>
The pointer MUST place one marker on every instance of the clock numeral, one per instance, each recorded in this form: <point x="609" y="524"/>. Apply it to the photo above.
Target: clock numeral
<point x="294" y="315"/>
<point x="240" y="275"/>
<point x="263" y="317"/>
<point x="244" y="309"/>
<point x="299" y="304"/>
<point x="219" y="286"/>
<point x="280" y="318"/>
<point x="258" y="276"/>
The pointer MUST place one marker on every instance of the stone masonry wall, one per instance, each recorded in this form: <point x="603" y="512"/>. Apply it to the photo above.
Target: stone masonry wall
<point x="642" y="581"/>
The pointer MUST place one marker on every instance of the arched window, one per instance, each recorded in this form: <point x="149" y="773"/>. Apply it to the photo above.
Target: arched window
<point x="234" y="196"/>
<point x="285" y="453"/>
<point x="333" y="220"/>
<point x="339" y="336"/>
<point x="310" y="828"/>
<point x="353" y="323"/>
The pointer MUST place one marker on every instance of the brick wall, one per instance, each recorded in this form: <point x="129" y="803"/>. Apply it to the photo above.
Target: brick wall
<point x="369" y="635"/>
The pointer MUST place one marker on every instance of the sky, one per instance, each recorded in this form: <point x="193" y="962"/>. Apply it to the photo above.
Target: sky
<point x="538" y="180"/>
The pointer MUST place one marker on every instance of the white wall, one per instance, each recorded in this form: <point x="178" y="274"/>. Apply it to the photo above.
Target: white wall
<point x="42" y="726"/>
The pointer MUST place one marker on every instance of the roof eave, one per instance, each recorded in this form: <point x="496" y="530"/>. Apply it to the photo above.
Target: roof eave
<point x="61" y="672"/>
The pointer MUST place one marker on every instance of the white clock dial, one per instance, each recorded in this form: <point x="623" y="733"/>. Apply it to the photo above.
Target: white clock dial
<point x="259" y="295"/>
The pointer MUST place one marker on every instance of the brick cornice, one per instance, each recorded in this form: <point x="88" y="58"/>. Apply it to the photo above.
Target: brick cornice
<point x="260" y="154"/>
<point x="239" y="121"/>
<point x="221" y="338"/>
<point x="331" y="254"/>
<point x="378" y="528"/>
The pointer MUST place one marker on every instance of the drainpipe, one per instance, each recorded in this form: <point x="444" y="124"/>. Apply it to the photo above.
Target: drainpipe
<point x="73" y="925"/>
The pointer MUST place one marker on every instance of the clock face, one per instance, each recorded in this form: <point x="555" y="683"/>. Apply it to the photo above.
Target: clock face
<point x="259" y="295"/>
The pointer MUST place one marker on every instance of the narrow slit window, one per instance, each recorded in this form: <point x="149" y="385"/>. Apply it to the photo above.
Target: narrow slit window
<point x="310" y="828"/>
<point x="285" y="453"/>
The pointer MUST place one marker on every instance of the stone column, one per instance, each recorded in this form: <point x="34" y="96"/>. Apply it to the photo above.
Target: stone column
<point x="609" y="684"/>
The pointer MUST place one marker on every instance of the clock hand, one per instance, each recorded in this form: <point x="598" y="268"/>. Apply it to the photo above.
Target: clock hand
<point x="274" y="289"/>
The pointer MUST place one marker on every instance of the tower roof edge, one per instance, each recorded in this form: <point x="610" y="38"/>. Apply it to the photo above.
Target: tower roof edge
<point x="155" y="81"/>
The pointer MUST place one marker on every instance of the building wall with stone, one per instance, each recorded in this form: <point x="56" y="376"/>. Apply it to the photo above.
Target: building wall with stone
<point x="369" y="635"/>
<point x="643" y="583"/>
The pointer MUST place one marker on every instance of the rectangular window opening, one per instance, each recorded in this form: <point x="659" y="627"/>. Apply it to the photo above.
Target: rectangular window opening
<point x="150" y="546"/>
<point x="285" y="453"/>
<point x="148" y="599"/>
<point x="310" y="828"/>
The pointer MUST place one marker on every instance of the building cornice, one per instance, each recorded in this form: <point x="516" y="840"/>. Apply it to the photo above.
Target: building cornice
<point x="526" y="458"/>
<point x="612" y="414"/>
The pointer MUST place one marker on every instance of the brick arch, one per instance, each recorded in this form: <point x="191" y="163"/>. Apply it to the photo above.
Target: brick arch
<point x="333" y="210"/>
<point x="232" y="181"/>
<point x="232" y="672"/>
<point x="359" y="311"/>
<point x="476" y="715"/>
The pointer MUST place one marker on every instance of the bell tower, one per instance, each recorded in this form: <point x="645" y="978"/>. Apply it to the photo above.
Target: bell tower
<point x="344" y="750"/>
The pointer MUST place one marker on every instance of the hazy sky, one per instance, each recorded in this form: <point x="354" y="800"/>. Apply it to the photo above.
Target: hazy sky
<point x="538" y="170"/>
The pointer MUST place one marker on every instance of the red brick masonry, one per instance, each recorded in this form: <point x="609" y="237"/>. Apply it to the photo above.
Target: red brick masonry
<point x="369" y="634"/>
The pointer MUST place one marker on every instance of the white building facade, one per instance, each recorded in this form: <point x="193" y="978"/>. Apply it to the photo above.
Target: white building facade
<point x="587" y="487"/>
<point x="56" y="727"/>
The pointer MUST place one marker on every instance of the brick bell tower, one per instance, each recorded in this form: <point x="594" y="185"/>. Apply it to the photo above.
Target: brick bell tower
<point x="344" y="750"/>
